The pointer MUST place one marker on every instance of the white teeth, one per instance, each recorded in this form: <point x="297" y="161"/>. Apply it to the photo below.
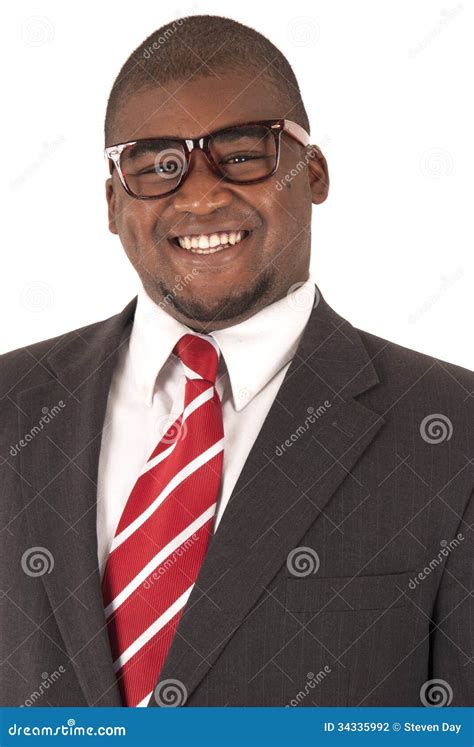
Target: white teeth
<point x="210" y="243"/>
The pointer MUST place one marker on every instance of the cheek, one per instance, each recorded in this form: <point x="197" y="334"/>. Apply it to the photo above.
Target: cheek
<point x="138" y="222"/>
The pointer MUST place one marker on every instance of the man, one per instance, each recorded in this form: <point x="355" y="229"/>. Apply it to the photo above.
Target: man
<point x="227" y="494"/>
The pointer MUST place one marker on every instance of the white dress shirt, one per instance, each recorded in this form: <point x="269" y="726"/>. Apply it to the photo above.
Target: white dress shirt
<point x="147" y="394"/>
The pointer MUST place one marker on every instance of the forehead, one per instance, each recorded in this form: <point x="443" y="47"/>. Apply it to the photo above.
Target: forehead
<point x="192" y="108"/>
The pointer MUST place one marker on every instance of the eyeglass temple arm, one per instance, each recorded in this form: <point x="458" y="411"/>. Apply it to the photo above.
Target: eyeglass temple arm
<point x="296" y="131"/>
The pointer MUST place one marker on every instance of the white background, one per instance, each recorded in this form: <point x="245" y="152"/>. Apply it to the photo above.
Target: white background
<point x="388" y="88"/>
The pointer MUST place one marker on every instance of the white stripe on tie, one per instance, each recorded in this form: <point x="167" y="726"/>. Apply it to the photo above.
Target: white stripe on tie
<point x="159" y="557"/>
<point x="200" y="400"/>
<point x="180" y="476"/>
<point x="143" y="703"/>
<point x="190" y="373"/>
<point x="154" y="628"/>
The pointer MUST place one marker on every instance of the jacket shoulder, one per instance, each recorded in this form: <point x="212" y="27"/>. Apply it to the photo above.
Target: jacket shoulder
<point x="28" y="365"/>
<point x="396" y="361"/>
<point x="410" y="373"/>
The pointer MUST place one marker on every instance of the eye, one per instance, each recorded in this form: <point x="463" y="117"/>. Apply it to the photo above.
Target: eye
<point x="168" y="167"/>
<point x="160" y="168"/>
<point x="241" y="158"/>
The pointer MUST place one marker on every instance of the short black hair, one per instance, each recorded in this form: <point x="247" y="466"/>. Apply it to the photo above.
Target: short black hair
<point x="221" y="44"/>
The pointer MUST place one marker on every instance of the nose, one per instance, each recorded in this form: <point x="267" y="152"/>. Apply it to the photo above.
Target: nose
<point x="202" y="191"/>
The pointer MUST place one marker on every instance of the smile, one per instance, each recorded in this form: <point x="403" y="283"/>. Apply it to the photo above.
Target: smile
<point x="210" y="243"/>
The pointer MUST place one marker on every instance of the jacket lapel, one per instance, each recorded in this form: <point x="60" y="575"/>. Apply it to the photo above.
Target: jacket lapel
<point x="277" y="498"/>
<point x="59" y="482"/>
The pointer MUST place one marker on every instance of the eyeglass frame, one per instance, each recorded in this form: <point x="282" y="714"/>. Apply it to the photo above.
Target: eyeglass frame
<point x="276" y="127"/>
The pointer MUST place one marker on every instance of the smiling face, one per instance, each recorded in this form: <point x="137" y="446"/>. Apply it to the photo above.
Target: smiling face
<point x="215" y="252"/>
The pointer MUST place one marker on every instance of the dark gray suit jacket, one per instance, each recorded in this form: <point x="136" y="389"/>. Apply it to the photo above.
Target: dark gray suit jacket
<point x="365" y="463"/>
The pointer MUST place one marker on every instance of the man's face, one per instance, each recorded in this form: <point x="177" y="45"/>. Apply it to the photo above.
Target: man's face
<point x="211" y="291"/>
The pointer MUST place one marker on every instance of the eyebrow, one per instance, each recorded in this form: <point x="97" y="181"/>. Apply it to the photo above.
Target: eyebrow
<point x="151" y="144"/>
<point x="245" y="131"/>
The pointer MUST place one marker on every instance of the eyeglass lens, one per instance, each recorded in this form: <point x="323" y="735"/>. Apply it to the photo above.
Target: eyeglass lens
<point x="154" y="167"/>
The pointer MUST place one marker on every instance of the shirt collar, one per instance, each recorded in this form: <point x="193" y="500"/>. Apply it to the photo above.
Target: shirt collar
<point x="257" y="349"/>
<point x="254" y="350"/>
<point x="153" y="337"/>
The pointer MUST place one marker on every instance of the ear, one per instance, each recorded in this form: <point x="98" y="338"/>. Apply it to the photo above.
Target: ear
<point x="110" y="197"/>
<point x="318" y="174"/>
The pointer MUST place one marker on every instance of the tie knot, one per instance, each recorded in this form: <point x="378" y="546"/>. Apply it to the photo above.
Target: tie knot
<point x="199" y="355"/>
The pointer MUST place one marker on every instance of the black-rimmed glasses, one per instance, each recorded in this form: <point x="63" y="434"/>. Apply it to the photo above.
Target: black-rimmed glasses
<point x="242" y="154"/>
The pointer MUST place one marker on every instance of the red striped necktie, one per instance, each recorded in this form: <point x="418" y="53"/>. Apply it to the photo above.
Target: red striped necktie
<point x="165" y="528"/>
